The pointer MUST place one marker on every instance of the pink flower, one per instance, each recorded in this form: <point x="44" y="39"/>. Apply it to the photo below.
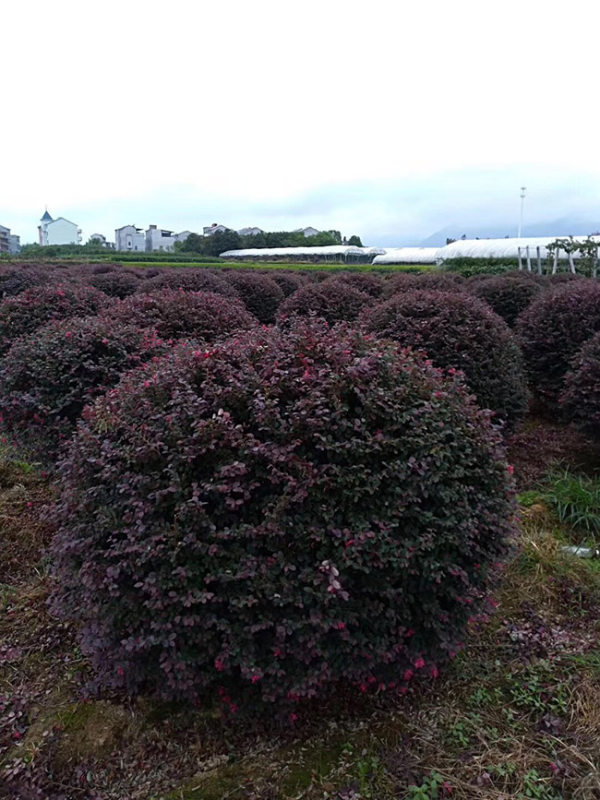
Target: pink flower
<point x="341" y="626"/>
<point x="408" y="674"/>
<point x="255" y="678"/>
<point x="419" y="663"/>
<point x="511" y="469"/>
<point x="435" y="672"/>
<point x="219" y="664"/>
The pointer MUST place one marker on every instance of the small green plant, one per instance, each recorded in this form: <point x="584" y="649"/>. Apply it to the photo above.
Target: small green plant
<point x="432" y="788"/>
<point x="576" y="500"/>
<point x="535" y="690"/>
<point x="529" y="498"/>
<point x="536" y="787"/>
<point x="505" y="770"/>
<point x="483" y="697"/>
<point x="462" y="730"/>
<point x="369" y="770"/>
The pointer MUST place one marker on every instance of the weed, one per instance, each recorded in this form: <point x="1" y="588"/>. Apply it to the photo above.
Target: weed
<point x="432" y="788"/>
<point x="537" y="787"/>
<point x="534" y="690"/>
<point x="576" y="500"/>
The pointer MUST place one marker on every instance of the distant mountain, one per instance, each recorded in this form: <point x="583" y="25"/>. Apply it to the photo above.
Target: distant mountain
<point x="566" y="226"/>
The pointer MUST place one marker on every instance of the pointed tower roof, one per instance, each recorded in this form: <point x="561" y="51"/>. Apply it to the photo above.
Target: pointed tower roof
<point x="46" y="217"/>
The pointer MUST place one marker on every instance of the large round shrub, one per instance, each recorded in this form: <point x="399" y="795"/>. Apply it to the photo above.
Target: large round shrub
<point x="277" y="514"/>
<point x="365" y="282"/>
<point x="15" y="281"/>
<point x="436" y="280"/>
<point x="334" y="302"/>
<point x="174" y="314"/>
<point x="552" y="331"/>
<point x="35" y="307"/>
<point x="48" y="376"/>
<point x="260" y="294"/>
<point x="581" y="394"/>
<point x="116" y="283"/>
<point x="461" y="332"/>
<point x="288" y="282"/>
<point x="507" y="296"/>
<point x="191" y="280"/>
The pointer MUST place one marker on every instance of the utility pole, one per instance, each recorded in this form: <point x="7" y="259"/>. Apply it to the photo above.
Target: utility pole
<point x="523" y="190"/>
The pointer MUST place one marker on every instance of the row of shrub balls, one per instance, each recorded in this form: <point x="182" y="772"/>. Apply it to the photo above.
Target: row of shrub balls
<point x="269" y="486"/>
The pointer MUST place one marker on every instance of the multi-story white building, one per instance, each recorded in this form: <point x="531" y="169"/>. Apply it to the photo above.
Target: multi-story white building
<point x="58" y="231"/>
<point x="130" y="238"/>
<point x="159" y="239"/>
<point x="4" y="239"/>
<point x="250" y="231"/>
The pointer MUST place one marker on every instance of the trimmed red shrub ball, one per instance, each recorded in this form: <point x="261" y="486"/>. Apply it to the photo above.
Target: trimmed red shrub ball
<point x="334" y="302"/>
<point x="552" y="331"/>
<point x="15" y="281"/>
<point x="367" y="283"/>
<point x="278" y="514"/>
<point x="580" y="398"/>
<point x="507" y="296"/>
<point x="191" y="280"/>
<point x="260" y="294"/>
<point x="35" y="307"/>
<point x="116" y="283"/>
<point x="438" y="281"/>
<point x="288" y="282"/>
<point x="48" y="376"/>
<point x="460" y="332"/>
<point x="176" y="314"/>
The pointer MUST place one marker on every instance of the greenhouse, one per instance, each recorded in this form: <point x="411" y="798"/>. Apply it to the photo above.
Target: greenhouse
<point x="408" y="255"/>
<point x="496" y="248"/>
<point x="335" y="253"/>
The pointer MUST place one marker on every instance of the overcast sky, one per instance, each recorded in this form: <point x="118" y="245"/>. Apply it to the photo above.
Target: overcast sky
<point x="386" y="119"/>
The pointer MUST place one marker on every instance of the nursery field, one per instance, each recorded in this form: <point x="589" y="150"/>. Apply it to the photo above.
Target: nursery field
<point x="298" y="535"/>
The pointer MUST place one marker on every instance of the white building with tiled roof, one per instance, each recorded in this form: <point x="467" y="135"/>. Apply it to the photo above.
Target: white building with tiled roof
<point x="58" y="231"/>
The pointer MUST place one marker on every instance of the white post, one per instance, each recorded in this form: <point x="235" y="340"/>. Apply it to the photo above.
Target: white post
<point x="520" y="263"/>
<point x="539" y="259"/>
<point x="571" y="262"/>
<point x="528" y="259"/>
<point x="555" y="265"/>
<point x="522" y="195"/>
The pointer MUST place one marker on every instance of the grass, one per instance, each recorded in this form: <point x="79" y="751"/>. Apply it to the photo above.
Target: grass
<point x="576" y="501"/>
<point x="516" y="715"/>
<point x="156" y="263"/>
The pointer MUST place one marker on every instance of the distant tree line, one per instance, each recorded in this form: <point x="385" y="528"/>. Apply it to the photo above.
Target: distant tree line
<point x="204" y="245"/>
<point x="221" y="241"/>
<point x="93" y="247"/>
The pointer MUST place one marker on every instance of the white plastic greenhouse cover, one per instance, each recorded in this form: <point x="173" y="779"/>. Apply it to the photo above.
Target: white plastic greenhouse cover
<point x="408" y="255"/>
<point x="502" y="248"/>
<point x="328" y="250"/>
